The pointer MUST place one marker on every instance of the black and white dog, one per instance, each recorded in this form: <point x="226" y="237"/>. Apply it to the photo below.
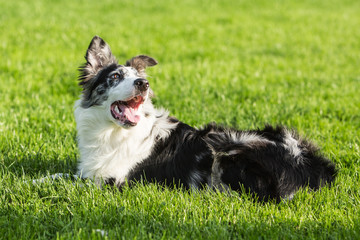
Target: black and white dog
<point x="123" y="138"/>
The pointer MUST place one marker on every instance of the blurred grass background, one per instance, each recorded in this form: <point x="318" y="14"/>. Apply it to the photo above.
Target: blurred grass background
<point x="239" y="63"/>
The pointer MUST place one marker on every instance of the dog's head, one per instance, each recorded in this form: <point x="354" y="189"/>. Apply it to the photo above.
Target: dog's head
<point x="120" y="90"/>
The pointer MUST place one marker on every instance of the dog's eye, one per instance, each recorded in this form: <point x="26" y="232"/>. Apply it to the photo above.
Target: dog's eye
<point x="115" y="76"/>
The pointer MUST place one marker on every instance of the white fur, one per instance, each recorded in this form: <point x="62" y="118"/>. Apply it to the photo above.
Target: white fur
<point x="291" y="144"/>
<point x="107" y="149"/>
<point x="249" y="138"/>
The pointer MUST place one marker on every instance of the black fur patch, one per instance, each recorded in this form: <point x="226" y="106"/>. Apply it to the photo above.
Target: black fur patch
<point x="95" y="89"/>
<point x="174" y="160"/>
<point x="265" y="168"/>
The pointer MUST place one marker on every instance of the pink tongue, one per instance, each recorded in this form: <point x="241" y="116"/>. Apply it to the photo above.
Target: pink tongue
<point x="130" y="114"/>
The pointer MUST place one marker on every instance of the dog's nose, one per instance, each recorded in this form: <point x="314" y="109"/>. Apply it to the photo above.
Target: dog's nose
<point x="141" y="84"/>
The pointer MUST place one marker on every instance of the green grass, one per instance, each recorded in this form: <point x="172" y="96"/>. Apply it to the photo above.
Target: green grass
<point x="239" y="63"/>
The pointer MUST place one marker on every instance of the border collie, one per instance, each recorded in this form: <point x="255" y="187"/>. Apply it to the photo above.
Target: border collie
<point x="123" y="138"/>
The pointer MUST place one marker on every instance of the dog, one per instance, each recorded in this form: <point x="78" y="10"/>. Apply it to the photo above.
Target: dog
<point x="124" y="139"/>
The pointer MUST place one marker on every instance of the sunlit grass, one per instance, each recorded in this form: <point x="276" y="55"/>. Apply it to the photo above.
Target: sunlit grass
<point x="239" y="63"/>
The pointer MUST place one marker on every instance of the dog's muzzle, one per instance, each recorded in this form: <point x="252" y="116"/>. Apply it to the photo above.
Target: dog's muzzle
<point x="125" y="112"/>
<point x="141" y="84"/>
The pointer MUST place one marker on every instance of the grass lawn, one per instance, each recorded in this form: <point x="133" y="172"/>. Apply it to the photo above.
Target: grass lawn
<point x="239" y="63"/>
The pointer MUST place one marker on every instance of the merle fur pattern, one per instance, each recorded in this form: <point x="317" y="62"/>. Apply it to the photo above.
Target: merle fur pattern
<point x="270" y="163"/>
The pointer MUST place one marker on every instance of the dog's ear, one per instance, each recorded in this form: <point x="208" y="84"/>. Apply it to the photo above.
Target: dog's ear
<point x="98" y="56"/>
<point x="141" y="62"/>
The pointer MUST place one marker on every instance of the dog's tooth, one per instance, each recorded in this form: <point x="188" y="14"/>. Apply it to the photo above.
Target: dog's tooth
<point x="117" y="109"/>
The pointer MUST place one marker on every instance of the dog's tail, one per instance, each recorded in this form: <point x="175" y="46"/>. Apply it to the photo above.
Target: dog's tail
<point x="272" y="163"/>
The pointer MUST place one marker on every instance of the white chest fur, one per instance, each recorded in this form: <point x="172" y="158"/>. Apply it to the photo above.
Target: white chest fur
<point x="110" y="151"/>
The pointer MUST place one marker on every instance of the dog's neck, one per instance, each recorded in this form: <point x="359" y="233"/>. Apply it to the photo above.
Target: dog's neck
<point x="110" y="151"/>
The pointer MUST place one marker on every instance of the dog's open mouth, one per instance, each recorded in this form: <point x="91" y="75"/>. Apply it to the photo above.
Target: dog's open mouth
<point x="126" y="111"/>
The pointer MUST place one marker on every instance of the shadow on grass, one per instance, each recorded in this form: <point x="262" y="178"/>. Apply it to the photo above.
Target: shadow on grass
<point x="38" y="164"/>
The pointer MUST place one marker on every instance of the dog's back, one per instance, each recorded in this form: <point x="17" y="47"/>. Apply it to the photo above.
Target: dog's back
<point x="272" y="163"/>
